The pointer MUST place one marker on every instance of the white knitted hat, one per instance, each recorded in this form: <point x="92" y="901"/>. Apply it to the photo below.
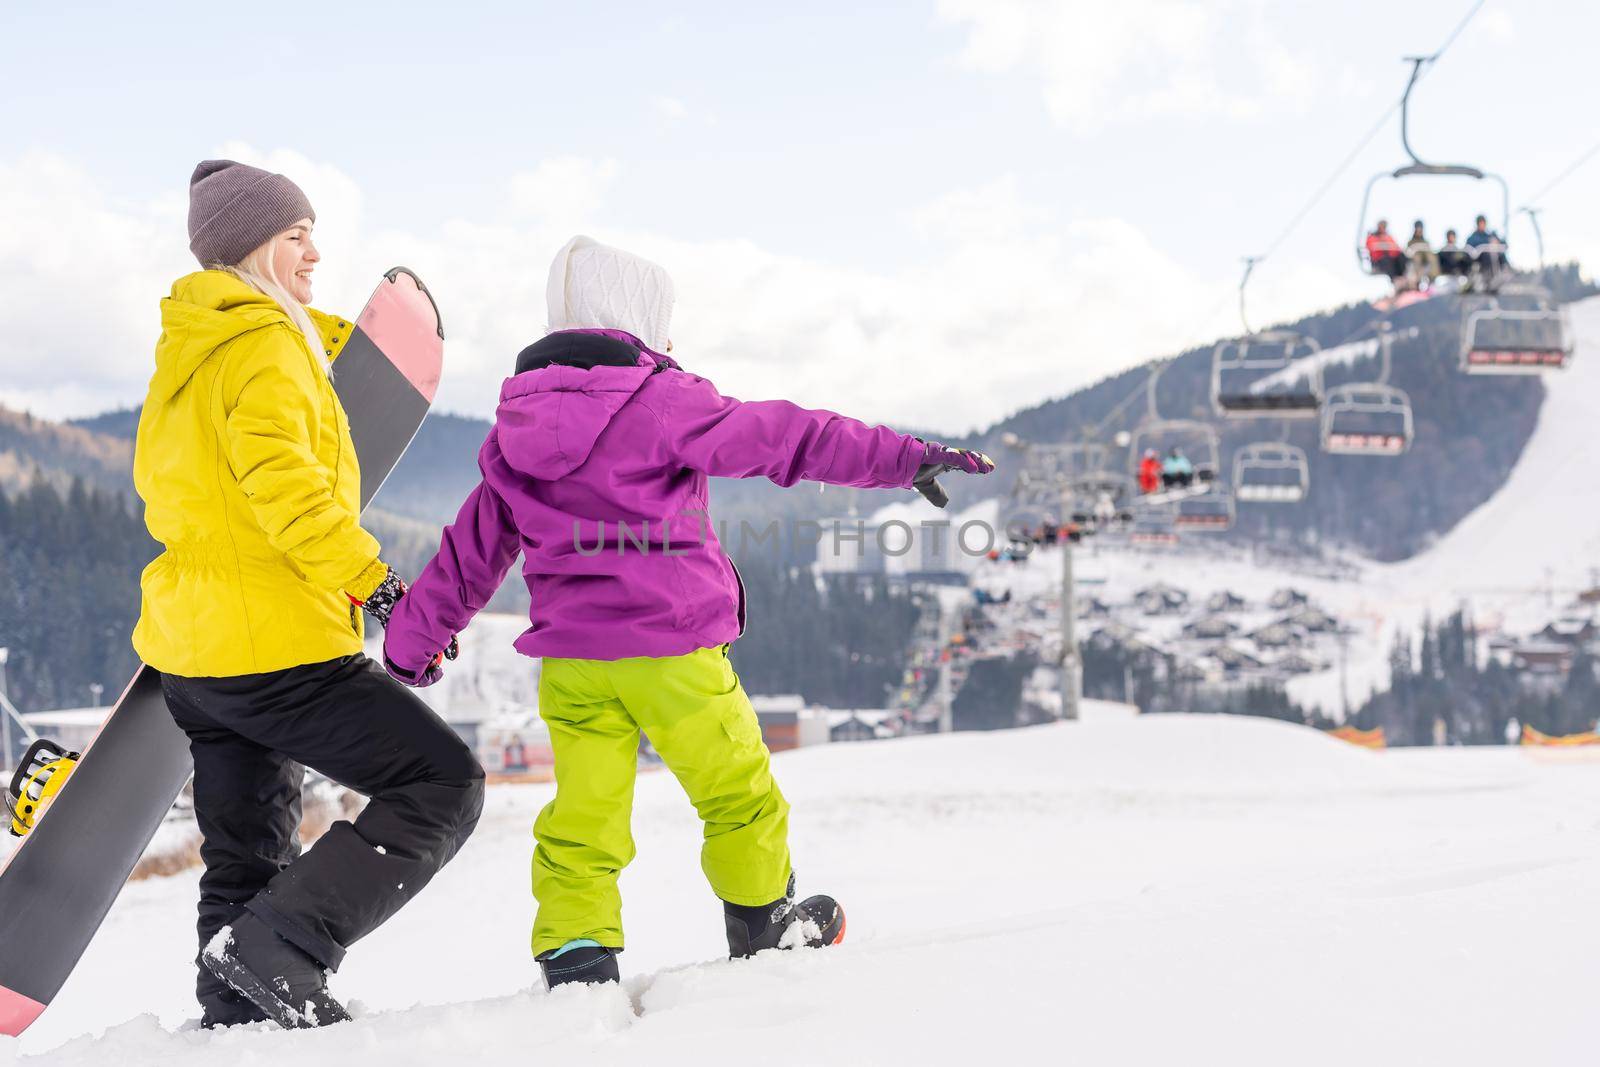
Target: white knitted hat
<point x="595" y="286"/>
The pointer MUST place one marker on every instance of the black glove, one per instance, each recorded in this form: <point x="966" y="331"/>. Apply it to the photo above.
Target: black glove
<point x="940" y="459"/>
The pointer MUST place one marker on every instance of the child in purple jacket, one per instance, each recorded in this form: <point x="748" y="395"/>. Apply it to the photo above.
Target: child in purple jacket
<point x="596" y="471"/>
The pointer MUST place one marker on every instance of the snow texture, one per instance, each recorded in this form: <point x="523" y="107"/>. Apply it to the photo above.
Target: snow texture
<point x="1122" y="890"/>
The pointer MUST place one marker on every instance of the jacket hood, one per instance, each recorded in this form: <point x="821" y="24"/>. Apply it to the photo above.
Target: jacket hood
<point x="551" y="415"/>
<point x="206" y="310"/>
<point x="593" y="285"/>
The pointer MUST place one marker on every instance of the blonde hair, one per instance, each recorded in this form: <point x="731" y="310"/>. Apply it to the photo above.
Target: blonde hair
<point x="255" y="270"/>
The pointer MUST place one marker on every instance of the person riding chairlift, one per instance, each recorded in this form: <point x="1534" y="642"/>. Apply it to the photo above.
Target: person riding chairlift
<point x="1386" y="255"/>
<point x="1424" y="266"/>
<point x="1489" y="248"/>
<point x="1149" y="472"/>
<point x="1176" y="470"/>
<point x="1454" y="261"/>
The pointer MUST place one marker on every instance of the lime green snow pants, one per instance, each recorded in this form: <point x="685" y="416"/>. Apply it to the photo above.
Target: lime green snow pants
<point x="700" y="722"/>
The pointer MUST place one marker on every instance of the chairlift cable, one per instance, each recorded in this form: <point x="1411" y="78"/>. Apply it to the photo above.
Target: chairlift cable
<point x="1564" y="175"/>
<point x="1146" y="388"/>
<point x="1450" y="40"/>
<point x="1361" y="145"/>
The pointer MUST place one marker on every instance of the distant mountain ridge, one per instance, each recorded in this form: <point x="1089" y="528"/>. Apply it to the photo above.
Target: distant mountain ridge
<point x="61" y="452"/>
<point x="1469" y="433"/>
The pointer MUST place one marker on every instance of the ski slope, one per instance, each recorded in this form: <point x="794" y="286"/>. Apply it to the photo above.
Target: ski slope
<point x="1124" y="890"/>
<point x="1543" y="526"/>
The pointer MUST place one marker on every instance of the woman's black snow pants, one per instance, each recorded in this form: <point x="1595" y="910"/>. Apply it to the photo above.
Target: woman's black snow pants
<point x="251" y="737"/>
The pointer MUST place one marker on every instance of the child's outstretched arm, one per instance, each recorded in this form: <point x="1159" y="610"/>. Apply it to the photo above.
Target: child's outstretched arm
<point x="475" y="552"/>
<point x="787" y="443"/>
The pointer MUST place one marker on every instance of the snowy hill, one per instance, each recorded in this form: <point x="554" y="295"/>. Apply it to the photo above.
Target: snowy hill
<point x="1543" y="526"/>
<point x="1540" y="531"/>
<point x="1163" y="889"/>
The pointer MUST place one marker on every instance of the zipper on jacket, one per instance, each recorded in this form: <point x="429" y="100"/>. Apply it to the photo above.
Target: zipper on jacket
<point x="739" y="580"/>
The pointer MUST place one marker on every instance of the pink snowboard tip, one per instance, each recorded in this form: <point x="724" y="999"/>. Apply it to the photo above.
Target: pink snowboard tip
<point x="17" y="1012"/>
<point x="403" y="322"/>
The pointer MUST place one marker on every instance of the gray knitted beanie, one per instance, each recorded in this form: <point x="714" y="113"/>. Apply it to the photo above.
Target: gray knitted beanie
<point x="234" y="207"/>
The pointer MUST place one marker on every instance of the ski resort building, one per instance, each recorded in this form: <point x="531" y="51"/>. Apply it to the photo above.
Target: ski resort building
<point x="73" y="728"/>
<point x="1161" y="599"/>
<point x="787" y="722"/>
<point x="1225" y="601"/>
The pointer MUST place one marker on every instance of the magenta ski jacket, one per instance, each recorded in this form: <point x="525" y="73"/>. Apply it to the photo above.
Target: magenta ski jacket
<point x="596" y="471"/>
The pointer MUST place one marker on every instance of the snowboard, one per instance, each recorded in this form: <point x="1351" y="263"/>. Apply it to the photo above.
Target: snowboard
<point x="1405" y="299"/>
<point x="64" y="875"/>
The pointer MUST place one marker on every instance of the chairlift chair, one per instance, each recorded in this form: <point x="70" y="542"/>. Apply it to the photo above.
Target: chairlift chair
<point x="1269" y="472"/>
<point x="1518" y="330"/>
<point x="1088" y="491"/>
<point x="1273" y="374"/>
<point x="1417" y="168"/>
<point x="1366" y="419"/>
<point x="1197" y="440"/>
<point x="1212" y="513"/>
<point x="1153" y="528"/>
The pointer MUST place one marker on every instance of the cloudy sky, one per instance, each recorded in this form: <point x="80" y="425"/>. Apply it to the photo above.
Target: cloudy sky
<point x="930" y="213"/>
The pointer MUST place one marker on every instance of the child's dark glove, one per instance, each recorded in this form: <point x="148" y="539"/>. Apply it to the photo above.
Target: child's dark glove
<point x="939" y="459"/>
<point x="381" y="601"/>
<point x="429" y="674"/>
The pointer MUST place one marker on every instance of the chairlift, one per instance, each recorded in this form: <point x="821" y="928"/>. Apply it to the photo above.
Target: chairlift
<point x="1518" y="330"/>
<point x="1369" y="418"/>
<point x="1270" y="472"/>
<point x="1366" y="419"/>
<point x="1154" y="528"/>
<point x="1194" y="439"/>
<point x="1266" y="374"/>
<point x="1274" y="374"/>
<point x="1487" y="260"/>
<point x="1212" y="513"/>
<point x="1101" y="500"/>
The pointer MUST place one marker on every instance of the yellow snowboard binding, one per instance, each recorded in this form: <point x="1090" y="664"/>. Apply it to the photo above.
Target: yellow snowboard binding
<point x="39" y="777"/>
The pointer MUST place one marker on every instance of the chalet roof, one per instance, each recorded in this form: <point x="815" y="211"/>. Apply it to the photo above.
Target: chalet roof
<point x="1214" y="623"/>
<point x="1230" y="656"/>
<point x="1569" y="626"/>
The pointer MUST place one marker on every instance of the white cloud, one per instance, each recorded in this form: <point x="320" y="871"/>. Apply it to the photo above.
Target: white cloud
<point x="1008" y="305"/>
<point x="570" y="188"/>
<point x="1495" y="26"/>
<point x="80" y="276"/>
<point x="995" y="210"/>
<point x="669" y="109"/>
<point x="1104" y="64"/>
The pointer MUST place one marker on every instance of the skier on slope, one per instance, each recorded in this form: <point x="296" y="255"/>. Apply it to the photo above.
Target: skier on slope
<point x="249" y="478"/>
<point x="597" y="428"/>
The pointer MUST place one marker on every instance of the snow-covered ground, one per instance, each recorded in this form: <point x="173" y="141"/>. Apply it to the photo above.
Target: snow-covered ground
<point x="1160" y="889"/>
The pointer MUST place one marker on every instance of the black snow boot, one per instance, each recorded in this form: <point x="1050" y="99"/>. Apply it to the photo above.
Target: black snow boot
<point x="221" y="1006"/>
<point x="587" y="964"/>
<point x="275" y="976"/>
<point x="813" y="923"/>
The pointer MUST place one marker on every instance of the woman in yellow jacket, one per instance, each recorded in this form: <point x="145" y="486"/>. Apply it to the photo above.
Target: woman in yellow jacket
<point x="250" y="484"/>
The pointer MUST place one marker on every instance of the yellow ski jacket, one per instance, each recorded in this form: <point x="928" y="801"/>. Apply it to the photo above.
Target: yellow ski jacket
<point x="250" y="484"/>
